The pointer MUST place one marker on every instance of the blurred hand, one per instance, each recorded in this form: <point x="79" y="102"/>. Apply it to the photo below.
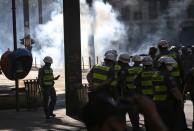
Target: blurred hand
<point x="56" y="78"/>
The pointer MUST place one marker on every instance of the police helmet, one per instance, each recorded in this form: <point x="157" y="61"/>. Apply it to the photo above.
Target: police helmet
<point x="163" y="44"/>
<point x="147" y="60"/>
<point x="166" y="60"/>
<point x="136" y="58"/>
<point x="48" y="59"/>
<point x="110" y="56"/>
<point x="124" y="58"/>
<point x="114" y="52"/>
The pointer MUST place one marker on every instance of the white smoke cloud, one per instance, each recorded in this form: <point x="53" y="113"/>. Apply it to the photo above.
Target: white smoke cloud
<point x="106" y="28"/>
<point x="101" y="21"/>
<point x="176" y="13"/>
<point x="50" y="37"/>
<point x="109" y="32"/>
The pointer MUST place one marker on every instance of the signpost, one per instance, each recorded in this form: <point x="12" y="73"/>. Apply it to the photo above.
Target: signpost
<point x="15" y="48"/>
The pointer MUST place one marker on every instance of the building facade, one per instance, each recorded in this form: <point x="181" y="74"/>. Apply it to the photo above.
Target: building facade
<point x="151" y="20"/>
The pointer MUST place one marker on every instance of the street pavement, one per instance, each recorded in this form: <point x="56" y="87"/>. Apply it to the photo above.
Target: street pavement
<point x="34" y="120"/>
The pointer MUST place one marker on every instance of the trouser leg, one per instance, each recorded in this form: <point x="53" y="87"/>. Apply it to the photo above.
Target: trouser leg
<point x="134" y="118"/>
<point x="52" y="101"/>
<point x="45" y="102"/>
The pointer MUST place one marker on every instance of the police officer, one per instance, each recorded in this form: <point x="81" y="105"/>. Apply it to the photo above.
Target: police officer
<point x="127" y="76"/>
<point x="101" y="77"/>
<point x="187" y="58"/>
<point x="166" y="94"/>
<point x="177" y="72"/>
<point x="109" y="115"/>
<point x="189" y="87"/>
<point x="132" y="74"/>
<point x="123" y="62"/>
<point x="143" y="80"/>
<point x="137" y="62"/>
<point x="46" y="81"/>
<point x="144" y="83"/>
<point x="152" y="52"/>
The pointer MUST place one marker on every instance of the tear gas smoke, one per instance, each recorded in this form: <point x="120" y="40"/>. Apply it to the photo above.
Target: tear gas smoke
<point x="101" y="21"/>
<point x="6" y="33"/>
<point x="50" y="37"/>
<point x="167" y="26"/>
<point x="108" y="31"/>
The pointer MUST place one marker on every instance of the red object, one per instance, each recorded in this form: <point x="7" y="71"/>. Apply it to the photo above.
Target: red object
<point x="16" y="64"/>
<point x="6" y="64"/>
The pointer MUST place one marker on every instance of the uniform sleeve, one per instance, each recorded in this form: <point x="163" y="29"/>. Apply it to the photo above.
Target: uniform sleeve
<point x="189" y="78"/>
<point x="180" y="65"/>
<point x="40" y="76"/>
<point x="111" y="73"/>
<point x="137" y="83"/>
<point x="122" y="78"/>
<point x="89" y="75"/>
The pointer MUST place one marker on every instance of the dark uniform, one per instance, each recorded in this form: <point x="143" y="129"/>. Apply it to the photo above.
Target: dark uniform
<point x="131" y="91"/>
<point x="46" y="81"/>
<point x="187" y="59"/>
<point x="100" y="78"/>
<point x="178" y="74"/>
<point x="177" y="71"/>
<point x="145" y="86"/>
<point x="165" y="102"/>
<point x="132" y="74"/>
<point x="189" y="83"/>
<point x="144" y="82"/>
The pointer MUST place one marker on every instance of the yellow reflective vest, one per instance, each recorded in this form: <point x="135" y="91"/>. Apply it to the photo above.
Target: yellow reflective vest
<point x="176" y="71"/>
<point x="160" y="89"/>
<point x="117" y="69"/>
<point x="131" y="76"/>
<point x="48" y="77"/>
<point x="100" y="73"/>
<point x="146" y="82"/>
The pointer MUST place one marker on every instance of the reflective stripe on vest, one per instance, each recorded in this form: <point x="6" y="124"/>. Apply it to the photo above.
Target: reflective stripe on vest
<point x="160" y="97"/>
<point x="148" y="91"/>
<point x="100" y="76"/>
<point x="131" y="76"/>
<point x="160" y="90"/>
<point x="131" y="86"/>
<point x="146" y="82"/>
<point x="48" y="77"/>
<point x="175" y="72"/>
<point x="100" y="73"/>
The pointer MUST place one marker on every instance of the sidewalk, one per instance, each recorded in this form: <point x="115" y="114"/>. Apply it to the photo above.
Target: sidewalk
<point x="26" y="120"/>
<point x="34" y="120"/>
